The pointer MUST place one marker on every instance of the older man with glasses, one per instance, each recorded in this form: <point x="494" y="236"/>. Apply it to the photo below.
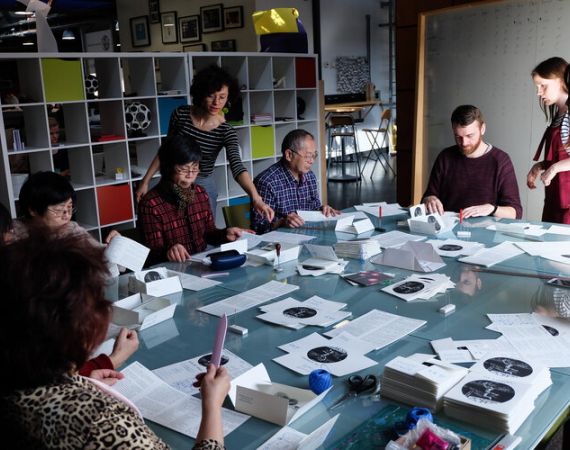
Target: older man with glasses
<point x="289" y="185"/>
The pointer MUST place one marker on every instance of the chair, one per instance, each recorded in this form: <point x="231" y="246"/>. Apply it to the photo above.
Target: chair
<point x="377" y="150"/>
<point x="237" y="215"/>
<point x="342" y="126"/>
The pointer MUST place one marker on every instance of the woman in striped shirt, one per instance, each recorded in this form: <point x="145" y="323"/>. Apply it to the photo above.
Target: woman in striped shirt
<point x="210" y="91"/>
<point x="551" y="78"/>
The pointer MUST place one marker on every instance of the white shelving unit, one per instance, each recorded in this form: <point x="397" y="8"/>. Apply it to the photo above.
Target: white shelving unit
<point x="94" y="131"/>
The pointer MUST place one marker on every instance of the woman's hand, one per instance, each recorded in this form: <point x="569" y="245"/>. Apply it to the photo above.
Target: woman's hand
<point x="142" y="190"/>
<point x="111" y="235"/>
<point x="533" y="174"/>
<point x="107" y="376"/>
<point x="178" y="253"/>
<point x="214" y="386"/>
<point x="264" y="209"/>
<point x="126" y="343"/>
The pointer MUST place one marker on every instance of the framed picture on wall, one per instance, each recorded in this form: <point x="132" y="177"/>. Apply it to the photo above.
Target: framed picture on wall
<point x="233" y="17"/>
<point x="195" y="48"/>
<point x="140" y="36"/>
<point x="169" y="28"/>
<point x="227" y="45"/>
<point x="212" y="18"/>
<point x="154" y="11"/>
<point x="189" y="28"/>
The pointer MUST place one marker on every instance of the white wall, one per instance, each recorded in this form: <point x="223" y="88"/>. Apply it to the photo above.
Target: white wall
<point x="245" y="37"/>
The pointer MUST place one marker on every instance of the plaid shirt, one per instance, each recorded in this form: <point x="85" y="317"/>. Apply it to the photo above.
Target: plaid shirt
<point x="280" y="190"/>
<point x="163" y="225"/>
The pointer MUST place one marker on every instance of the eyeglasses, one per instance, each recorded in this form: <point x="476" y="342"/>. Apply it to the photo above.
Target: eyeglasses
<point x="308" y="156"/>
<point x="187" y="170"/>
<point x="60" y="212"/>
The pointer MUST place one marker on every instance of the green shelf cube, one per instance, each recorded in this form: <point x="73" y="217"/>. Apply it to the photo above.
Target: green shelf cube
<point x="262" y="142"/>
<point x="63" y="80"/>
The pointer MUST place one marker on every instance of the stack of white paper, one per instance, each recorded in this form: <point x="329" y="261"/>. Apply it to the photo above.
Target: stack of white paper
<point x="359" y="249"/>
<point x="420" y="287"/>
<point x="420" y="380"/>
<point x="378" y="328"/>
<point x="488" y="257"/>
<point x="454" y="247"/>
<point x="395" y="239"/>
<point x="340" y="355"/>
<point x="513" y="367"/>
<point x="161" y="403"/>
<point x="295" y="314"/>
<point x="491" y="402"/>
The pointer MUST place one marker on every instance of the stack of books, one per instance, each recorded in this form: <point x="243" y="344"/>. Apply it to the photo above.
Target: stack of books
<point x="420" y="380"/>
<point x="262" y="118"/>
<point x="498" y="394"/>
<point x="358" y="249"/>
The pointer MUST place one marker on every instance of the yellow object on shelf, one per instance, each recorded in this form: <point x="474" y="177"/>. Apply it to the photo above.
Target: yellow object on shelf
<point x="63" y="80"/>
<point x="276" y="20"/>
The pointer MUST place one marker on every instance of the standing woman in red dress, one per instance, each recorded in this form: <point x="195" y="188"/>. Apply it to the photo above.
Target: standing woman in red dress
<point x="551" y="78"/>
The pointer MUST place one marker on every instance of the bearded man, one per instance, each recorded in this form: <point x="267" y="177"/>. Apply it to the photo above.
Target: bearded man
<point x="473" y="175"/>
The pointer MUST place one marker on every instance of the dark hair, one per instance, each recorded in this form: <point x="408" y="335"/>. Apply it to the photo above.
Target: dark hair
<point x="210" y="80"/>
<point x="5" y="222"/>
<point x="57" y="314"/>
<point x="177" y="150"/>
<point x="294" y="140"/>
<point x="551" y="68"/>
<point x="465" y="115"/>
<point x="43" y="189"/>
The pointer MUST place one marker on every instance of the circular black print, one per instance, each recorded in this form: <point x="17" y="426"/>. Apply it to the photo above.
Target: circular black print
<point x="153" y="275"/>
<point x="327" y="354"/>
<point x="205" y="360"/>
<point x="417" y="212"/>
<point x="552" y="331"/>
<point x="508" y="366"/>
<point x="450" y="248"/>
<point x="487" y="391"/>
<point x="432" y="219"/>
<point x="300" y="312"/>
<point x="409" y="287"/>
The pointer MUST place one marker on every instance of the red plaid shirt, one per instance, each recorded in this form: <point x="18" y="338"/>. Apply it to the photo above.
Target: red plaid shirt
<point x="163" y="225"/>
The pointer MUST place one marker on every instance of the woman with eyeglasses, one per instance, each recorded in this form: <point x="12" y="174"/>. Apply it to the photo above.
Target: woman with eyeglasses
<point x="175" y="217"/>
<point x="46" y="201"/>
<point x="212" y="89"/>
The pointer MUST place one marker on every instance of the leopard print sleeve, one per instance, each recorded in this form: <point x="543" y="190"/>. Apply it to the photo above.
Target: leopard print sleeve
<point x="208" y="444"/>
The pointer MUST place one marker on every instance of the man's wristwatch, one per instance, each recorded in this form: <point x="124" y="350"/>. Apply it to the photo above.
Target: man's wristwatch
<point x="492" y="213"/>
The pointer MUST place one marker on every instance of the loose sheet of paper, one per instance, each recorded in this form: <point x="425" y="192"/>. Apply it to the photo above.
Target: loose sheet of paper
<point x="167" y="406"/>
<point x="379" y="328"/>
<point x="388" y="209"/>
<point x="249" y="299"/>
<point x="127" y="253"/>
<point x="395" y="239"/>
<point x="288" y="438"/>
<point x="282" y="236"/>
<point x="317" y="216"/>
<point x="194" y="283"/>
<point x="490" y="256"/>
<point x="181" y="375"/>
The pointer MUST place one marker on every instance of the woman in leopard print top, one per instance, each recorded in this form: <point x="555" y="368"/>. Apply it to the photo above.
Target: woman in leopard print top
<point x="54" y="317"/>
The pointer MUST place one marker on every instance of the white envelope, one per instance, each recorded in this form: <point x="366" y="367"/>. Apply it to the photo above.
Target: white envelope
<point x="255" y="394"/>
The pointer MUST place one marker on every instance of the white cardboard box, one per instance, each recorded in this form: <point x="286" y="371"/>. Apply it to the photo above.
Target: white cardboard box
<point x="167" y="284"/>
<point x="266" y="253"/>
<point x="142" y="309"/>
<point x="255" y="394"/>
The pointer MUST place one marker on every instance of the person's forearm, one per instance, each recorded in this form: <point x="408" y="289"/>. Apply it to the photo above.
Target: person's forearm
<point x="505" y="212"/>
<point x="244" y="180"/>
<point x="152" y="169"/>
<point x="211" y="426"/>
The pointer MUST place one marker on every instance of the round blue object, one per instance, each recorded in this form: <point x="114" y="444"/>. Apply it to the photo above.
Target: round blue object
<point x="416" y="414"/>
<point x="319" y="381"/>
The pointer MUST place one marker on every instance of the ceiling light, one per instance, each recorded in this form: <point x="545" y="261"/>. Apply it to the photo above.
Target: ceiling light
<point x="68" y="35"/>
<point x="28" y="43"/>
<point x="24" y="13"/>
<point x="116" y="25"/>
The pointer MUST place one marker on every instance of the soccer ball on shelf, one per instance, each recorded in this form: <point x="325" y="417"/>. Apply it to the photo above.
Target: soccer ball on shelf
<point x="91" y="86"/>
<point x="137" y="117"/>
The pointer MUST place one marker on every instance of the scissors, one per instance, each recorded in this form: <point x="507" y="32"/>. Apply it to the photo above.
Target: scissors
<point x="357" y="385"/>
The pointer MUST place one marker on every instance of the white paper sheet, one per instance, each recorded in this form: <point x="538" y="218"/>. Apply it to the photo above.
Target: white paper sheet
<point x="559" y="229"/>
<point x="194" y="283"/>
<point x="490" y="256"/>
<point x="395" y="239"/>
<point x="127" y="253"/>
<point x="388" y="209"/>
<point x="249" y="299"/>
<point x="318" y="216"/>
<point x="558" y="251"/>
<point x="167" y="406"/>
<point x="288" y="438"/>
<point x="282" y="236"/>
<point x="182" y="375"/>
<point x="379" y="328"/>
<point x="452" y="248"/>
